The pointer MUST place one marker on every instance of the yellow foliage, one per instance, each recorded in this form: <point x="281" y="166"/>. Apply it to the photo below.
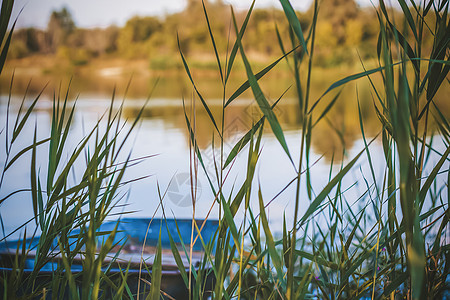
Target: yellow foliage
<point x="325" y="37"/>
<point x="353" y="32"/>
<point x="77" y="56"/>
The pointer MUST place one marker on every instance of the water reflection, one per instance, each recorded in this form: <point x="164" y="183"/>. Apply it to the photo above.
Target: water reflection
<point x="163" y="131"/>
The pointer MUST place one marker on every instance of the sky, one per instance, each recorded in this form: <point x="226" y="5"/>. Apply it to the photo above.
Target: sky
<point x="102" y="13"/>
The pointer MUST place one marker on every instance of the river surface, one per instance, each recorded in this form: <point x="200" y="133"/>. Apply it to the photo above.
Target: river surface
<point x="162" y="134"/>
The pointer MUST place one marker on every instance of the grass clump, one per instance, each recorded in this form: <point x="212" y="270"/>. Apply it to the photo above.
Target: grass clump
<point x="389" y="243"/>
<point x="69" y="202"/>
<point x="351" y="256"/>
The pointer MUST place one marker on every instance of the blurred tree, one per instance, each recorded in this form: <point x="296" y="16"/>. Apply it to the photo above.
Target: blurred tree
<point x="28" y="41"/>
<point x="143" y="28"/>
<point x="338" y="13"/>
<point x="132" y="38"/>
<point x="60" y="26"/>
<point x="76" y="56"/>
<point x="17" y="49"/>
<point x="98" y="41"/>
<point x="342" y="26"/>
<point x="32" y="40"/>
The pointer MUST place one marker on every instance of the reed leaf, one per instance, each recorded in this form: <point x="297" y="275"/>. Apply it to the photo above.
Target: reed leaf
<point x="257" y="76"/>
<point x="156" y="273"/>
<point x="330" y="185"/>
<point x="294" y="22"/>
<point x="262" y="101"/>
<point x="270" y="242"/>
<point x="236" y="45"/>
<point x="186" y="67"/>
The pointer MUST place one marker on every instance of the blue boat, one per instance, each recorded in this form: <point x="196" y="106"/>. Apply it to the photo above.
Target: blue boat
<point x="136" y="240"/>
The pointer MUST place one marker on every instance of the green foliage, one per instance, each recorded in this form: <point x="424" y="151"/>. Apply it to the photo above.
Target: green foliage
<point x="5" y="37"/>
<point x="388" y="243"/>
<point x="134" y="38"/>
<point x="62" y="19"/>
<point x="66" y="211"/>
<point x="353" y="256"/>
<point x="343" y="28"/>
<point x="77" y="56"/>
<point x="60" y="26"/>
<point x="18" y="49"/>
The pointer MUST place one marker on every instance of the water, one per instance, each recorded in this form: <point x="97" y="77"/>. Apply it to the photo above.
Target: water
<point x="162" y="132"/>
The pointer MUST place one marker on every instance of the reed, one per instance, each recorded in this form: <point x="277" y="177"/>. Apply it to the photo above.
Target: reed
<point x="352" y="257"/>
<point x="68" y="208"/>
<point x="389" y="243"/>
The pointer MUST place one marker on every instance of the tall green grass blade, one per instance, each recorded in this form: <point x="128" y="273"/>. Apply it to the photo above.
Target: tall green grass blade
<point x="104" y="250"/>
<point x="369" y="157"/>
<point x="198" y="153"/>
<point x="258" y="76"/>
<point x="286" y="243"/>
<point x="219" y="65"/>
<point x="357" y="262"/>
<point x="18" y="128"/>
<point x="40" y="202"/>
<point x="355" y="228"/>
<point x="262" y="101"/>
<point x="436" y="79"/>
<point x="235" y="281"/>
<point x="297" y="61"/>
<point x="270" y="242"/>
<point x="123" y="286"/>
<point x="253" y="155"/>
<point x="4" y="51"/>
<point x="25" y="150"/>
<point x="59" y="183"/>
<point x="230" y="222"/>
<point x="399" y="280"/>
<point x="6" y="10"/>
<point x="417" y="262"/>
<point x="34" y="196"/>
<point x="409" y="18"/>
<point x="384" y="122"/>
<point x="64" y="133"/>
<point x="188" y="72"/>
<point x="312" y="36"/>
<point x="242" y="142"/>
<point x="349" y="79"/>
<point x="280" y="41"/>
<point x="406" y="47"/>
<point x="68" y="272"/>
<point x="426" y="186"/>
<point x="246" y="138"/>
<point x="294" y="22"/>
<point x="400" y="38"/>
<point x="439" y="52"/>
<point x="445" y="220"/>
<point x="327" y="189"/>
<point x="317" y="259"/>
<point x="327" y="108"/>
<point x="427" y="8"/>
<point x="238" y="199"/>
<point x="177" y="257"/>
<point x="303" y="287"/>
<point x="308" y="134"/>
<point x="61" y="122"/>
<point x="236" y="45"/>
<point x="156" y="273"/>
